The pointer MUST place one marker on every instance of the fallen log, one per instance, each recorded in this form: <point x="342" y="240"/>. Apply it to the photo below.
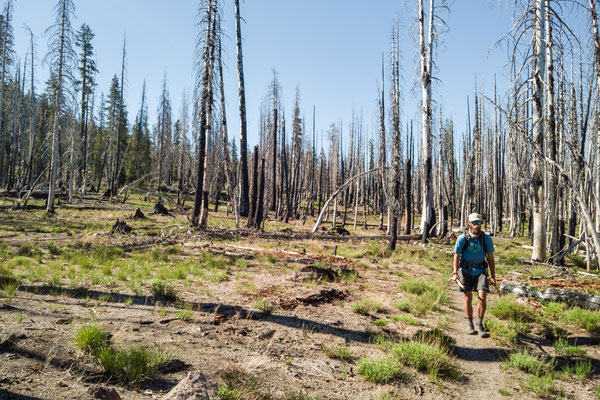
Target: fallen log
<point x="571" y="297"/>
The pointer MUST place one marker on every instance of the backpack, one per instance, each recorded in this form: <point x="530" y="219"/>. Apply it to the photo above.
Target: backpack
<point x="468" y="240"/>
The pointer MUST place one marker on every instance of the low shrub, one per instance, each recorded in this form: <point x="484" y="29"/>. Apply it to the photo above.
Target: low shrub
<point x="582" y="369"/>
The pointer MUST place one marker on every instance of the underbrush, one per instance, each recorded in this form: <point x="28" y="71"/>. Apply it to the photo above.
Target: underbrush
<point x="506" y="307"/>
<point x="379" y="369"/>
<point x="367" y="306"/>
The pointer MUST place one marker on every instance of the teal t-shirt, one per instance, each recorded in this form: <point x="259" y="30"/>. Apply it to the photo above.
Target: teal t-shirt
<point x="474" y="253"/>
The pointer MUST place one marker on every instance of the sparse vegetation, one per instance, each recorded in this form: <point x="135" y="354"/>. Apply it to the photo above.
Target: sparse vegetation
<point x="428" y="357"/>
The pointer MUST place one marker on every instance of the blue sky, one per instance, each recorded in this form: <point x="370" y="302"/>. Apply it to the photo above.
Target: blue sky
<point x="330" y="49"/>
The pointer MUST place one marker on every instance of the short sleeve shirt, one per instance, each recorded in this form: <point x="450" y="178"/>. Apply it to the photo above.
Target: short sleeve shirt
<point x="474" y="252"/>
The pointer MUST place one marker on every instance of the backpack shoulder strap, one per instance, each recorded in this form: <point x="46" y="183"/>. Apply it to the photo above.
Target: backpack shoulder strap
<point x="482" y="240"/>
<point x="467" y="240"/>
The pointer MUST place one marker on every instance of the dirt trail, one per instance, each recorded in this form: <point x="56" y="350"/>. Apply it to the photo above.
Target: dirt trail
<point x="478" y="359"/>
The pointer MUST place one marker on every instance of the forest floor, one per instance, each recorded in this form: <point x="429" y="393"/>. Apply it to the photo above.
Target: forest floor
<point x="271" y="316"/>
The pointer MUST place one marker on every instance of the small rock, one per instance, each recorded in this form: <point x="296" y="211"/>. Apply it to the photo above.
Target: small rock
<point x="193" y="386"/>
<point x="266" y="334"/>
<point x="104" y="393"/>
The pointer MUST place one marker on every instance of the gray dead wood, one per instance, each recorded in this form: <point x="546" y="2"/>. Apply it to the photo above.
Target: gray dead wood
<point x="574" y="298"/>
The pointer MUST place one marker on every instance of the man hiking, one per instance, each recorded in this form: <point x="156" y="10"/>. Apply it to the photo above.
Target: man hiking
<point x="470" y="253"/>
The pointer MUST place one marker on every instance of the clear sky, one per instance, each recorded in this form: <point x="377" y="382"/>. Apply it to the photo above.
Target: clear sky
<point x="330" y="49"/>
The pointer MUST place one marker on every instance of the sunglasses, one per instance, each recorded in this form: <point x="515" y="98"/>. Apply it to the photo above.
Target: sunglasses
<point x="477" y="223"/>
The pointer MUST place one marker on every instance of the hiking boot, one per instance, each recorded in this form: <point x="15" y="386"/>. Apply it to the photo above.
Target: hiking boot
<point x="484" y="333"/>
<point x="470" y="329"/>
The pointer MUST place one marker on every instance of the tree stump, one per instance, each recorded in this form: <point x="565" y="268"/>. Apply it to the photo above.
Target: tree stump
<point x="138" y="214"/>
<point x="121" y="227"/>
<point x="159" y="208"/>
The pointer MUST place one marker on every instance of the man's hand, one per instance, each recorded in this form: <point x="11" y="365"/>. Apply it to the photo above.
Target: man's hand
<point x="493" y="281"/>
<point x="454" y="277"/>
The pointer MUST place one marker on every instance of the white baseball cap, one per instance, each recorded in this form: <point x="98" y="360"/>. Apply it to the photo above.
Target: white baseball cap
<point x="475" y="217"/>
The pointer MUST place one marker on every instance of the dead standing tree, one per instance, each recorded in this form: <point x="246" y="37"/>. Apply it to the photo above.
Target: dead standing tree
<point x="203" y="92"/>
<point x="60" y="55"/>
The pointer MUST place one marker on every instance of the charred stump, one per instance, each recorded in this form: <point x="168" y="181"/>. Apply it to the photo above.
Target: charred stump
<point x="138" y="214"/>
<point x="159" y="208"/>
<point x="121" y="227"/>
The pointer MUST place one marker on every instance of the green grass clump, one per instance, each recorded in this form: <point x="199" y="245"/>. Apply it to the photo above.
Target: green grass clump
<point x="528" y="362"/>
<point x="435" y="336"/>
<point x="184" y="315"/>
<point x="91" y="338"/>
<point x="506" y="307"/>
<point x="380" y="369"/>
<point x="429" y="301"/>
<point x="264" y="305"/>
<point x="585" y="319"/>
<point x="563" y="348"/>
<point x="54" y="250"/>
<point x="340" y="352"/>
<point x="540" y="385"/>
<point x="131" y="366"/>
<point x="240" y="386"/>
<point x="407" y="319"/>
<point x="431" y="358"/>
<point x="29" y="250"/>
<point x="381" y="322"/>
<point x="162" y="289"/>
<point x="582" y="369"/>
<point x="367" y="306"/>
<point x="415" y="286"/>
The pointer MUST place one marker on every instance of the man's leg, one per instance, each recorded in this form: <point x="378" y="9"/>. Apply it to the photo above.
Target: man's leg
<point x="481" y="306"/>
<point x="469" y="312"/>
<point x="469" y="305"/>
<point x="481" y="303"/>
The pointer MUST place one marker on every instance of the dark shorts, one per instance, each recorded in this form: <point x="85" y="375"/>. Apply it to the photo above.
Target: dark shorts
<point x="473" y="283"/>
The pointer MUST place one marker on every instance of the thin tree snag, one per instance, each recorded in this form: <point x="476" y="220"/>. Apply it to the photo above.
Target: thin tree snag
<point x="338" y="190"/>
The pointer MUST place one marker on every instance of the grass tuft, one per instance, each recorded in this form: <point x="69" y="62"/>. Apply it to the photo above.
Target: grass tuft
<point x="162" y="289"/>
<point x="91" y="338"/>
<point x="528" y="362"/>
<point x="435" y="336"/>
<point x="563" y="348"/>
<point x="427" y="357"/>
<point x="367" y="306"/>
<point x="264" y="305"/>
<point x="131" y="366"/>
<point x="381" y="369"/>
<point x="506" y="307"/>
<point x="339" y="352"/>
